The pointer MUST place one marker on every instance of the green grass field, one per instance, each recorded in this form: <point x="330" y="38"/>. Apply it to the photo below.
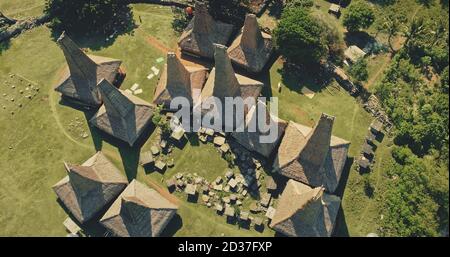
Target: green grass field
<point x="42" y="133"/>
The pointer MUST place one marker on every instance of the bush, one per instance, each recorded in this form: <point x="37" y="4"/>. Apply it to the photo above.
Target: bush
<point x="359" y="70"/>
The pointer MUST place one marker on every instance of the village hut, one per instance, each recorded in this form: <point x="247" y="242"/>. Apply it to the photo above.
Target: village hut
<point x="364" y="165"/>
<point x="252" y="48"/>
<point x="202" y="32"/>
<point x="146" y="159"/>
<point x="354" y="53"/>
<point x="83" y="73"/>
<point x="335" y="9"/>
<point x="89" y="187"/>
<point x="252" y="140"/>
<point x="303" y="211"/>
<point x="178" y="80"/>
<point x="312" y="155"/>
<point x="139" y="212"/>
<point x="376" y="127"/>
<point x="122" y="115"/>
<point x="224" y="82"/>
<point x="367" y="151"/>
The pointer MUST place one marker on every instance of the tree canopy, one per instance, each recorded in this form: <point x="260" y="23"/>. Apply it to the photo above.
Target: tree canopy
<point x="359" y="15"/>
<point x="299" y="36"/>
<point x="89" y="16"/>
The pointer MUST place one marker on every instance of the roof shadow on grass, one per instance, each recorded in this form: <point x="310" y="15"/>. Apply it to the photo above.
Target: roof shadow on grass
<point x="96" y="38"/>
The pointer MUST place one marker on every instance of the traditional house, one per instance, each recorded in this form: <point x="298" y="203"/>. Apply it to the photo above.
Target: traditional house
<point x="335" y="9"/>
<point x="139" y="212"/>
<point x="312" y="155"/>
<point x="202" y="32"/>
<point x="178" y="80"/>
<point x="89" y="187"/>
<point x="224" y="82"/>
<point x="253" y="140"/>
<point x="303" y="211"/>
<point x="84" y="72"/>
<point x="252" y="48"/>
<point x="354" y="53"/>
<point x="122" y="115"/>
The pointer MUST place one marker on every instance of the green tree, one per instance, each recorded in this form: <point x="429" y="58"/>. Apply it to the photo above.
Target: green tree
<point x="230" y="11"/>
<point x="359" y="70"/>
<point x="299" y="37"/>
<point x="89" y="16"/>
<point x="359" y="15"/>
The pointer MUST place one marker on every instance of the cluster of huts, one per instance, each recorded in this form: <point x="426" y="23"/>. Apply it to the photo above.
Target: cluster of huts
<point x="374" y="134"/>
<point x="312" y="158"/>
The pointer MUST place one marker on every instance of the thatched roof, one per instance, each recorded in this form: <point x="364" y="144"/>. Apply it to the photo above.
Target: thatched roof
<point x="178" y="80"/>
<point x="312" y="155"/>
<point x="84" y="72"/>
<point x="89" y="187"/>
<point x="354" y="53"/>
<point x="224" y="82"/>
<point x="202" y="32"/>
<point x="252" y="48"/>
<point x="251" y="140"/>
<point x="139" y="212"/>
<point x="122" y="115"/>
<point x="303" y="211"/>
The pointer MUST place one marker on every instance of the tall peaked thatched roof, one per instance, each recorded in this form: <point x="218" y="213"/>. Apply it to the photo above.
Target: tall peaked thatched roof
<point x="303" y="211"/>
<point x="252" y="48"/>
<point x="139" y="212"/>
<point x="178" y="80"/>
<point x="312" y="156"/>
<point x="89" y="187"/>
<point x="224" y="82"/>
<point x="84" y="72"/>
<point x="202" y="32"/>
<point x="251" y="140"/>
<point x="122" y="115"/>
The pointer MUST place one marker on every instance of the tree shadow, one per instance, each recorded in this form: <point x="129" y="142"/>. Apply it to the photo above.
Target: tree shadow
<point x="96" y="38"/>
<point x="359" y="38"/>
<point x="296" y="77"/>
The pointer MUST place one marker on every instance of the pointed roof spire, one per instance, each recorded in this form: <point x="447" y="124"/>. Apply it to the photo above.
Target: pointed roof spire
<point x="314" y="149"/>
<point x="116" y="104"/>
<point x="225" y="83"/>
<point x="203" y="21"/>
<point x="178" y="77"/>
<point x="251" y="34"/>
<point x="80" y="65"/>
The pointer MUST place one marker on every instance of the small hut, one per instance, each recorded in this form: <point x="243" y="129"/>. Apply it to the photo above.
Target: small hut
<point x="364" y="165"/>
<point x="252" y="47"/>
<point x="376" y="127"/>
<point x="335" y="9"/>
<point x="89" y="187"/>
<point x="122" y="115"/>
<point x="271" y="185"/>
<point x="303" y="211"/>
<point x="354" y="53"/>
<point x="202" y="32"/>
<point x="146" y="159"/>
<point x="367" y="151"/>
<point x="312" y="155"/>
<point x="139" y="212"/>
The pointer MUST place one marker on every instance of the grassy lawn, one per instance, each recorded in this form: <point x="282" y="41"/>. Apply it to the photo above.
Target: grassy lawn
<point x="23" y="8"/>
<point x="43" y="133"/>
